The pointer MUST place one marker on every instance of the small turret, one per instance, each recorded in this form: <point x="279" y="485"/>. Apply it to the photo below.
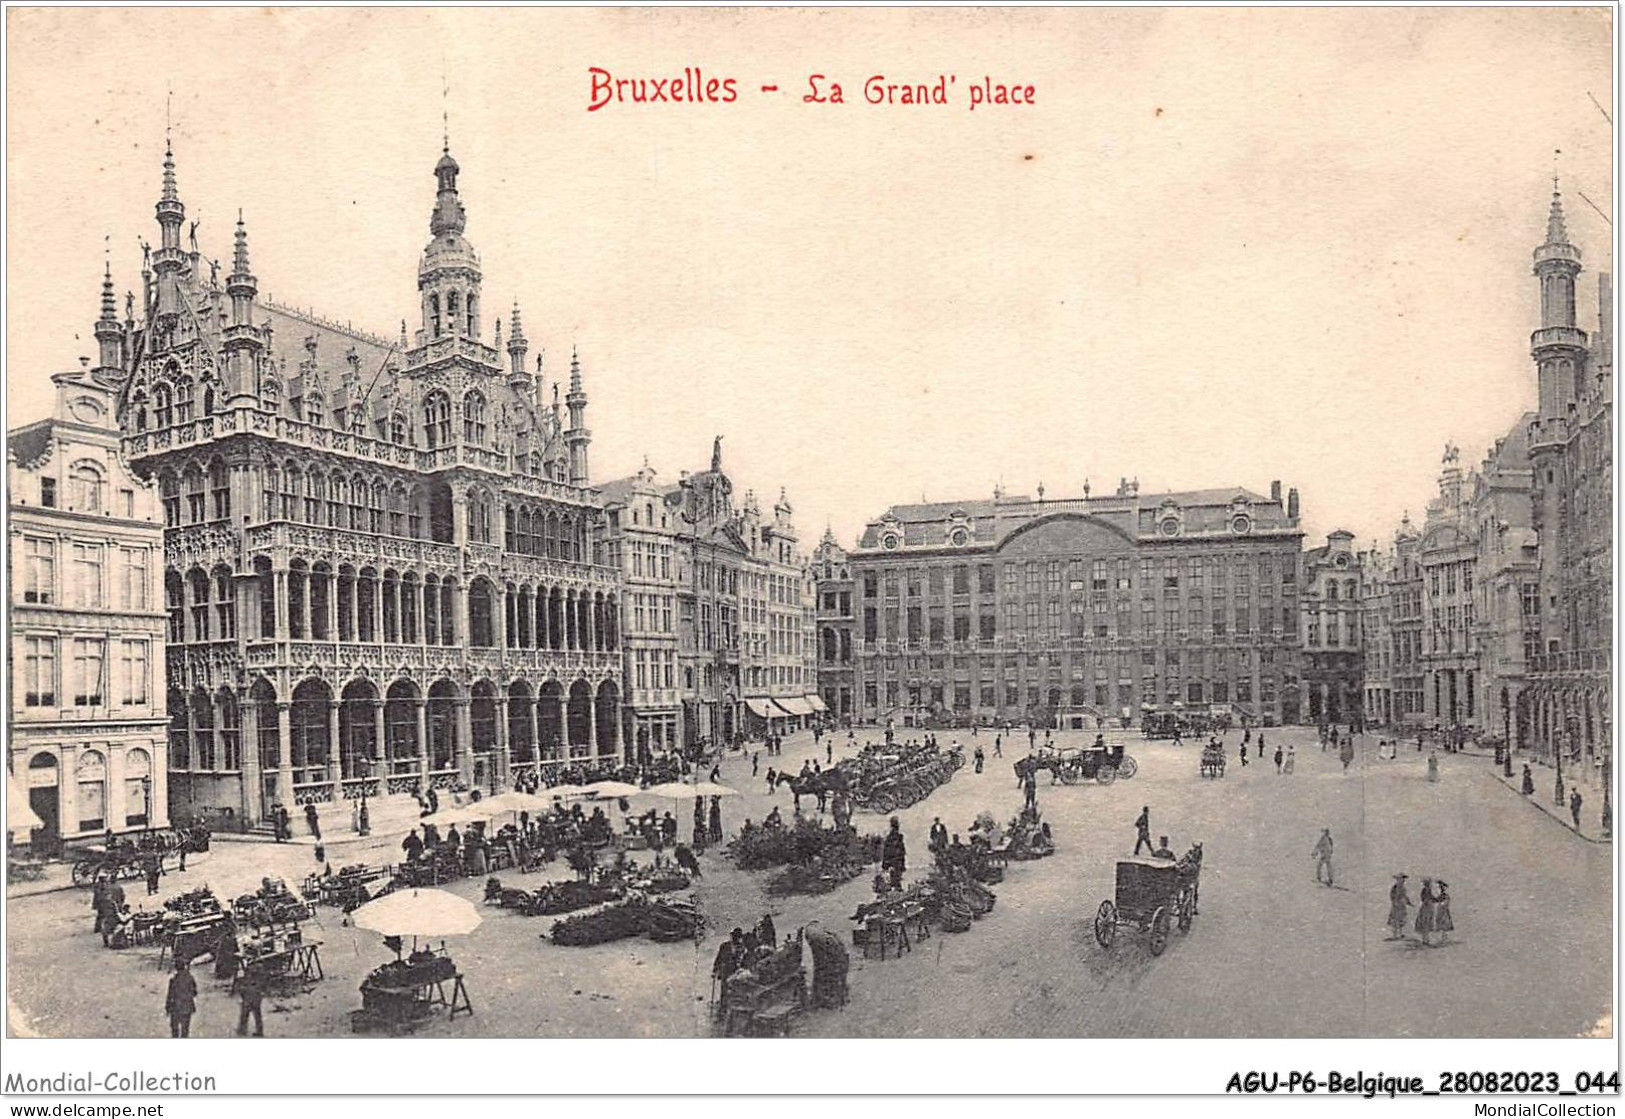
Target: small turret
<point x="577" y="437"/>
<point x="109" y="334"/>
<point x="516" y="347"/>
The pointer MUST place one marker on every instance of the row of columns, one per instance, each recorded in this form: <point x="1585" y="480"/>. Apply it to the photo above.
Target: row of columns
<point x="382" y="765"/>
<point x="560" y="620"/>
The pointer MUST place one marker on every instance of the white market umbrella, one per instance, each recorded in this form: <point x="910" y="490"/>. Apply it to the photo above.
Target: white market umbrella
<point x="613" y="789"/>
<point x="20" y="815"/>
<point x="673" y="790"/>
<point x="711" y="789"/>
<point x="511" y="801"/>
<point x="418" y="912"/>
<point x="564" y="792"/>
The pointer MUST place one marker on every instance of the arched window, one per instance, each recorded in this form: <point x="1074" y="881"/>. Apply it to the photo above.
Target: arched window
<point x="1331" y="592"/>
<point x="140" y="405"/>
<point x="473" y="322"/>
<point x="451" y="310"/>
<point x="291" y="490"/>
<point x="479" y="517"/>
<point x="397" y="429"/>
<point x="208" y="400"/>
<point x="183" y="400"/>
<point x="314" y="412"/>
<point x="163" y="406"/>
<point x="193" y="482"/>
<point x="434" y="315"/>
<point x="272" y="487"/>
<point x="219" y="490"/>
<point x="315" y="491"/>
<point x="375" y="508"/>
<point x="358" y="503"/>
<point x="85" y="492"/>
<point x="271" y="391"/>
<point x="474" y="418"/>
<point x="437" y="420"/>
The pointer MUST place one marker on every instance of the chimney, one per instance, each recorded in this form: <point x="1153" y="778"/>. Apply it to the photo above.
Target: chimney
<point x="1275" y="491"/>
<point x="1292" y="505"/>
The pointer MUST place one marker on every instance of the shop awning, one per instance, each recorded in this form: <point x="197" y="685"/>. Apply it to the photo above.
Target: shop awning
<point x="795" y="705"/>
<point x="817" y="704"/>
<point x="20" y="816"/>
<point x="763" y="708"/>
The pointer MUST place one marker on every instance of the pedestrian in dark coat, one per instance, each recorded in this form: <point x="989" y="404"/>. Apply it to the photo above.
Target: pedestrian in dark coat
<point x="1574" y="807"/>
<point x="716" y="820"/>
<point x="251" y="990"/>
<point x="312" y="821"/>
<point x="180" y="1001"/>
<point x="1528" y="782"/>
<point x="1279" y="754"/>
<point x="893" y="855"/>
<point x="1142" y="828"/>
<point x="1399" y="904"/>
<point x="153" y="869"/>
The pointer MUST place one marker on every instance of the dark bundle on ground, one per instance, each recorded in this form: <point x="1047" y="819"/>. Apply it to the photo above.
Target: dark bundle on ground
<point x="802" y="843"/>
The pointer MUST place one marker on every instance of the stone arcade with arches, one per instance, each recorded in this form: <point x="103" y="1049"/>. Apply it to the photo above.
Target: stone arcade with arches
<point x="381" y="568"/>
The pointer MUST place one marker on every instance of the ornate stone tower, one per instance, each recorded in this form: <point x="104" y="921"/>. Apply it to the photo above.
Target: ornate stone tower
<point x="449" y="273"/>
<point x="1558" y="346"/>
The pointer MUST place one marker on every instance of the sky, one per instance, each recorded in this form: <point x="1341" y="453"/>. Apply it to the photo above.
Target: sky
<point x="1220" y="247"/>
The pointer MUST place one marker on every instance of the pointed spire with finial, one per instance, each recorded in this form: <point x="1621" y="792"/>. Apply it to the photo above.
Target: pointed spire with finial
<point x="1557" y="232"/>
<point x="239" y="256"/>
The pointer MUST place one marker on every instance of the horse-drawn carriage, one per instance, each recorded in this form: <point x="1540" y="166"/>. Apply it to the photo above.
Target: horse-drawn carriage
<point x="1152" y="895"/>
<point x="128" y="858"/>
<point x="1212" y="764"/>
<point x="1100" y="763"/>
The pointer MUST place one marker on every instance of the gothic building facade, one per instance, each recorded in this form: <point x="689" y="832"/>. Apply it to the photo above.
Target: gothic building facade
<point x="1569" y="698"/>
<point x="1332" y="625"/>
<point x="381" y="562"/>
<point x="1080" y="609"/>
<point x="832" y="573"/>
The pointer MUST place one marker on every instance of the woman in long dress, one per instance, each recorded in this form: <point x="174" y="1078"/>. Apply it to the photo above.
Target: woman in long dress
<point x="1433" y="766"/>
<point x="1442" y="924"/>
<point x="1425" y="911"/>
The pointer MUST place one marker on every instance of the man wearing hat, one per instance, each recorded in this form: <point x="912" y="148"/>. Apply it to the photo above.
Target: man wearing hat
<point x="1398" y="903"/>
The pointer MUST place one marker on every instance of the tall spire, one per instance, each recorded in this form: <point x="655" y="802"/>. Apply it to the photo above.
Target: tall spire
<point x="1557" y="232"/>
<point x="241" y="285"/>
<point x="577" y="438"/>
<point x="171" y="193"/>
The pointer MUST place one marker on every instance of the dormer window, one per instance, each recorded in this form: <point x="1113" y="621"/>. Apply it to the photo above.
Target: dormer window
<point x="183" y="400"/>
<point x="314" y="413"/>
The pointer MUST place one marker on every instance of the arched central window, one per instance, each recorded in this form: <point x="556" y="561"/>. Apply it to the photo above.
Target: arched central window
<point x="437" y="420"/>
<point x="183" y="400"/>
<point x="397" y="429"/>
<point x="474" y="418"/>
<point x="86" y="483"/>
<point x="434" y="315"/>
<point x="163" y="406"/>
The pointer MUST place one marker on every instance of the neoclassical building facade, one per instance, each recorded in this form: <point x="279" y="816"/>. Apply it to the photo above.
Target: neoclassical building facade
<point x="85" y="542"/>
<point x="382" y="568"/>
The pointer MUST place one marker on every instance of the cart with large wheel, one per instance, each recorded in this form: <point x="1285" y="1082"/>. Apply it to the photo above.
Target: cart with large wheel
<point x="1153" y="895"/>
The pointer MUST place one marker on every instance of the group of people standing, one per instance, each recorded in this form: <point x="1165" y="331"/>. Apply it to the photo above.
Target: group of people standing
<point x="1432" y="914"/>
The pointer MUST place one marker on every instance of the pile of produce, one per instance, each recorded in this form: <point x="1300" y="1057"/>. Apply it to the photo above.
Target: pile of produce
<point x="664" y="921"/>
<point x="805" y="842"/>
<point x="194" y="903"/>
<point x="811" y="878"/>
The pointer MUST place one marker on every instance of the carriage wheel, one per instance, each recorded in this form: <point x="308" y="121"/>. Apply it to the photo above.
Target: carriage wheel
<point x="1071" y="775"/>
<point x="1106" y="774"/>
<point x="1129" y="767"/>
<point x="1159" y="931"/>
<point x="1185" y="906"/>
<point x="1106" y="924"/>
<point x="84" y="872"/>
